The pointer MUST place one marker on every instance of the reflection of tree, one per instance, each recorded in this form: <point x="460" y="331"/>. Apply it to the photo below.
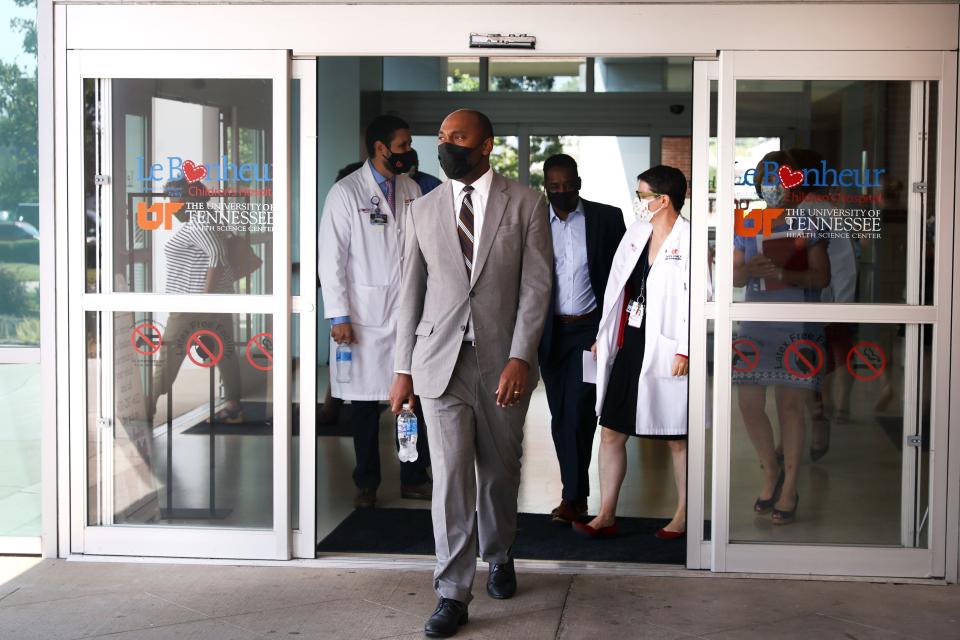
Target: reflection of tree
<point x="18" y="121"/>
<point x="541" y="148"/>
<point x="522" y="83"/>
<point x="505" y="158"/>
<point x="458" y="81"/>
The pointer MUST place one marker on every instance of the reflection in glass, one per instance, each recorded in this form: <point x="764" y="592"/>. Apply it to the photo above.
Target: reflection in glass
<point x="827" y="163"/>
<point x="192" y="186"/>
<point x="538" y="75"/>
<point x="819" y="423"/>
<point x="20" y="405"/>
<point x="647" y="74"/>
<point x="190" y="443"/>
<point x="463" y="74"/>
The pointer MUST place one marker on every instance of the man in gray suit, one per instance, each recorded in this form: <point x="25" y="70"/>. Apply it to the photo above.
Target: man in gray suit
<point x="477" y="278"/>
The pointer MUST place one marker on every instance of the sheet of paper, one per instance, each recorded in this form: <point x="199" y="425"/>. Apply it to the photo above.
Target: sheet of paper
<point x="589" y="368"/>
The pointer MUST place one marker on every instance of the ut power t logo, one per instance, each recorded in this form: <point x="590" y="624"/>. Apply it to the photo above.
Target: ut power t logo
<point x="156" y="215"/>
<point x="759" y="219"/>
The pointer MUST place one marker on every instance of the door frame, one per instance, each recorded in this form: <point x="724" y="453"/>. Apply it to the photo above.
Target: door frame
<point x="193" y="542"/>
<point x="304" y="305"/>
<point x="824" y="65"/>
<point x="337" y="30"/>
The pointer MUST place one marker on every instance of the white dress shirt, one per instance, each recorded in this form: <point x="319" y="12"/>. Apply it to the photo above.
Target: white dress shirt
<point x="574" y="292"/>
<point x="478" y="198"/>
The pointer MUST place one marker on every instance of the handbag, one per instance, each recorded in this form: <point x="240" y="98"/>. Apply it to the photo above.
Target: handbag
<point x="243" y="260"/>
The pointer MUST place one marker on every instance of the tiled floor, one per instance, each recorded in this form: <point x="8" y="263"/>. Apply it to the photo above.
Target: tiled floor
<point x="57" y="600"/>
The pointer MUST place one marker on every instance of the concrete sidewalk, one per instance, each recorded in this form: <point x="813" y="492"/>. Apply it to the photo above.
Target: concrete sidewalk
<point x="57" y="600"/>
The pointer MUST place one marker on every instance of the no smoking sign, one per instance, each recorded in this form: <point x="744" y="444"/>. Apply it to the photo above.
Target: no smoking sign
<point x="866" y="361"/>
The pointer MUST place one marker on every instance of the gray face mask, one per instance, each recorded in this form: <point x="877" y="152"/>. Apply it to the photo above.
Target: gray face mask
<point x="773" y="194"/>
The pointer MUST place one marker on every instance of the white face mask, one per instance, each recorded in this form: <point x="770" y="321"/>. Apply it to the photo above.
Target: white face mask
<point x="773" y="194"/>
<point x="643" y="211"/>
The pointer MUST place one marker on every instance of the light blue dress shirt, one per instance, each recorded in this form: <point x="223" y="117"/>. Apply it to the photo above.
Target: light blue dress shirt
<point x="381" y="180"/>
<point x="574" y="293"/>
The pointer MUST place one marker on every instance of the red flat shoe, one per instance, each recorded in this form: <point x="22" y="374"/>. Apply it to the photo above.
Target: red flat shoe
<point x="663" y="534"/>
<point x="587" y="531"/>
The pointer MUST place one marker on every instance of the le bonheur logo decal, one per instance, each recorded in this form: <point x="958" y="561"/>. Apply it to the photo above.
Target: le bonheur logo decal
<point x="251" y="210"/>
<point x="823" y="221"/>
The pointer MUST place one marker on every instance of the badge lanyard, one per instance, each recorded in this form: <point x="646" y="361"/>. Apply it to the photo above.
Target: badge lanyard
<point x="637" y="306"/>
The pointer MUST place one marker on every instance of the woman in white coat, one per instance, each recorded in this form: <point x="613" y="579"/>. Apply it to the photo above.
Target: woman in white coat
<point x="642" y="346"/>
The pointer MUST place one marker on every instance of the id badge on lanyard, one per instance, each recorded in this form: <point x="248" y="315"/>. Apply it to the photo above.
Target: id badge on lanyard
<point x="378" y="219"/>
<point x="637" y="307"/>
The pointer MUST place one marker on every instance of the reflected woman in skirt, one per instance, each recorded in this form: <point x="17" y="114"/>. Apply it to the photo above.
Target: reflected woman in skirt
<point x="642" y="346"/>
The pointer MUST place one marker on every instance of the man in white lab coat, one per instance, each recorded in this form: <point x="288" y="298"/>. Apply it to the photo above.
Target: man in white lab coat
<point x="360" y="254"/>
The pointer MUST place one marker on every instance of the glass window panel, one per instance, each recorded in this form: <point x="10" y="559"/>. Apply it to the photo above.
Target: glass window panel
<point x="19" y="195"/>
<point x="191" y="442"/>
<point x="538" y="74"/>
<point x="832" y="400"/>
<point x="643" y="74"/>
<point x="463" y="74"/>
<point x="708" y="439"/>
<point x="20" y="404"/>
<point x="179" y="195"/>
<point x="834" y="159"/>
<point x="295" y="370"/>
<point x="295" y="188"/>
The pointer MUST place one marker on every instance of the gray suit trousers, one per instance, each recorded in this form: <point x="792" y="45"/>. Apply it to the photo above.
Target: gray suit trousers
<point x="475" y="449"/>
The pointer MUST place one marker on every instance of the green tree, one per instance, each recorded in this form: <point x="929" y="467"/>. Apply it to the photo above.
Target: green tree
<point x="18" y="121"/>
<point x="541" y="148"/>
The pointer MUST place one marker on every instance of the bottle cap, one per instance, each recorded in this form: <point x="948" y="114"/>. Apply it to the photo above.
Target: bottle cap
<point x="406" y="406"/>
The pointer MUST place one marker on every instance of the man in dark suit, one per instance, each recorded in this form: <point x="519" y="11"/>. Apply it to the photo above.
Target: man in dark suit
<point x="585" y="238"/>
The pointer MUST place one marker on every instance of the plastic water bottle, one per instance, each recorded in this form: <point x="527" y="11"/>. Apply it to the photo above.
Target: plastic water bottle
<point x="407" y="434"/>
<point x="344" y="362"/>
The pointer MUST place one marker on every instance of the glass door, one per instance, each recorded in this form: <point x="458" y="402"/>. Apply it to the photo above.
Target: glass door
<point x="179" y="253"/>
<point x="833" y="245"/>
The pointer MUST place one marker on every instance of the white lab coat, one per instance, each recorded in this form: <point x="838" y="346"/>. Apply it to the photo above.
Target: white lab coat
<point x="360" y="266"/>
<point x="662" y="397"/>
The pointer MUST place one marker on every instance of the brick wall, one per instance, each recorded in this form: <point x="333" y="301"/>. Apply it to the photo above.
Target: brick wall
<point x="677" y="151"/>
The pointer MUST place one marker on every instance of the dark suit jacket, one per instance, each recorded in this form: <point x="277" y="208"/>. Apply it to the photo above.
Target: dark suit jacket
<point x="605" y="228"/>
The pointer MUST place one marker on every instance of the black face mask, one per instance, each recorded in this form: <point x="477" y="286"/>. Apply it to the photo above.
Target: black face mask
<point x="402" y="162"/>
<point x="455" y="160"/>
<point x="565" y="201"/>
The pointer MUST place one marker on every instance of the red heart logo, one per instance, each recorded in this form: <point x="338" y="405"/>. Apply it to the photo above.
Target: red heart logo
<point x="790" y="178"/>
<point x="192" y="172"/>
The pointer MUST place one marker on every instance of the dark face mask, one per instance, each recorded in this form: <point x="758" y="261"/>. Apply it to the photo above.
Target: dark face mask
<point x="565" y="201"/>
<point x="402" y="162"/>
<point x="455" y="160"/>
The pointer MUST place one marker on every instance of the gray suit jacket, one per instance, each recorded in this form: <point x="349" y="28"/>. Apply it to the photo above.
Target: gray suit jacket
<point x="508" y="299"/>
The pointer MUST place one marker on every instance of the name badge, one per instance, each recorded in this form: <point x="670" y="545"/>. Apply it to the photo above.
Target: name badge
<point x="378" y="219"/>
<point x="635" y="310"/>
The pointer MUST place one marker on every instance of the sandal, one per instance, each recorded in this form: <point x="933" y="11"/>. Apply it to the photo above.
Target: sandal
<point x="761" y="506"/>
<point x="228" y="416"/>
<point x="786" y="517"/>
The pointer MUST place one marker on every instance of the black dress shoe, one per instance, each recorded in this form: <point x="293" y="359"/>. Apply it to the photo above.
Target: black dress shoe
<point x="449" y="616"/>
<point x="502" y="582"/>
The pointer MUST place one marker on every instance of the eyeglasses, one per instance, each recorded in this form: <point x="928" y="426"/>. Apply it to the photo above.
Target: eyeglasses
<point x="647" y="194"/>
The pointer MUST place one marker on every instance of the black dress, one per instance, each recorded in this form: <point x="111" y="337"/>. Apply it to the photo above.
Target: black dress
<point x="620" y="403"/>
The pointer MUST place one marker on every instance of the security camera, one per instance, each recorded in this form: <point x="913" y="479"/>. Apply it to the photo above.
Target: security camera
<point x="676" y="109"/>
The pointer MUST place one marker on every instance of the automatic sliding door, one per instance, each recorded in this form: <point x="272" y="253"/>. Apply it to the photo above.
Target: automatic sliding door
<point x="180" y="292"/>
<point x="832" y="308"/>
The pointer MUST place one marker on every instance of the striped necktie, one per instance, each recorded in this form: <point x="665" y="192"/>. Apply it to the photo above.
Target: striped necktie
<point x="388" y="191"/>
<point x="465" y="229"/>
